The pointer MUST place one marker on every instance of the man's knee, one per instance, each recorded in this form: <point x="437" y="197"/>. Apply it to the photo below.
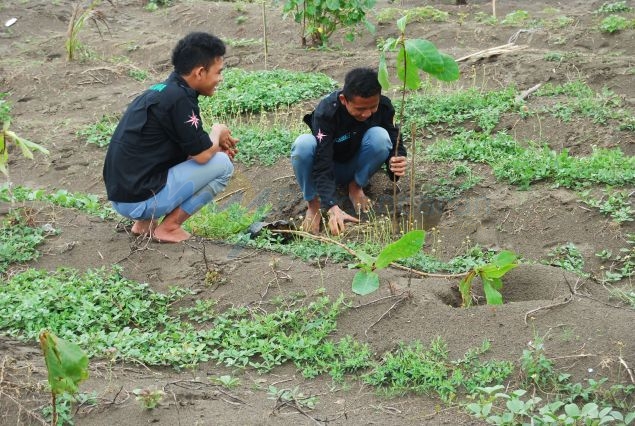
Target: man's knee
<point x="303" y="147"/>
<point x="378" y="141"/>
<point x="226" y="165"/>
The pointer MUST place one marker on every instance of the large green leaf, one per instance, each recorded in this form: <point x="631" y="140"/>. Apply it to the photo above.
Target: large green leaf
<point x="425" y="56"/>
<point x="490" y="288"/>
<point x="66" y="363"/>
<point x="365" y="283"/>
<point x="450" y="69"/>
<point x="502" y="263"/>
<point x="407" y="71"/>
<point x="404" y="247"/>
<point x="382" y="72"/>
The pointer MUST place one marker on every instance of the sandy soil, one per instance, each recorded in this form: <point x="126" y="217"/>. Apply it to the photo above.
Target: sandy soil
<point x="52" y="99"/>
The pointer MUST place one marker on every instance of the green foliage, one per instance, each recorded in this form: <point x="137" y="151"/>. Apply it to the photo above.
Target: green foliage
<point x="256" y="91"/>
<point x="66" y="363"/>
<point x="614" y="7"/>
<point x="8" y="136"/>
<point x="516" y="18"/>
<point x="567" y="257"/>
<point x="138" y="74"/>
<point x="485" y="18"/>
<point x="614" y="23"/>
<point x="259" y="144"/>
<point x="320" y="18"/>
<point x="613" y="203"/>
<point x="294" y="396"/>
<point x="216" y="223"/>
<point x="621" y="265"/>
<point x="414" y="14"/>
<point x="149" y="398"/>
<point x="523" y="166"/>
<point x="490" y="275"/>
<point x="415" y="56"/>
<point x="18" y="240"/>
<point x="366" y="280"/>
<point x="99" y="133"/>
<point x="413" y="368"/>
<point x="568" y="404"/>
<point x="67" y="367"/>
<point x="87" y="203"/>
<point x="448" y="111"/>
<point x="226" y="381"/>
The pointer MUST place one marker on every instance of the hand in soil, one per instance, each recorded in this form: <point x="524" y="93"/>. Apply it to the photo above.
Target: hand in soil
<point x="338" y="219"/>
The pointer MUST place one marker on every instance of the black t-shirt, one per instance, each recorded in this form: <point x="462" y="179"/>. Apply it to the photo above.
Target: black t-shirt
<point x="161" y="128"/>
<point x="339" y="137"/>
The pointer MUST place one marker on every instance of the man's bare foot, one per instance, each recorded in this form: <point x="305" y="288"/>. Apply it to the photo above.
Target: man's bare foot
<point x="311" y="222"/>
<point x="143" y="227"/>
<point x="176" y="235"/>
<point x="361" y="202"/>
<point x="170" y="231"/>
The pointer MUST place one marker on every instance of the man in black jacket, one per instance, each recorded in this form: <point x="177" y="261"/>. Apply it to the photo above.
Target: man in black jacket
<point x="353" y="134"/>
<point x="160" y="161"/>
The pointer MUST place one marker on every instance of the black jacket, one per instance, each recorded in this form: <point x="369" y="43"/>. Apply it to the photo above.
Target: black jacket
<point x="161" y="128"/>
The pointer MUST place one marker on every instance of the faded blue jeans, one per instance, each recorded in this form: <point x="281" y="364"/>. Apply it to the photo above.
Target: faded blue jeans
<point x="372" y="153"/>
<point x="190" y="185"/>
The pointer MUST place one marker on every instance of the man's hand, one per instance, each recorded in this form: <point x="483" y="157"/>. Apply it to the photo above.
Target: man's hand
<point x="337" y="217"/>
<point x="397" y="165"/>
<point x="226" y="142"/>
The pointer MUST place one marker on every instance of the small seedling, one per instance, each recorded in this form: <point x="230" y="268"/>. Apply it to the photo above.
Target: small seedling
<point x="490" y="275"/>
<point x="149" y="398"/>
<point x="7" y="136"/>
<point x="226" y="381"/>
<point x="67" y="366"/>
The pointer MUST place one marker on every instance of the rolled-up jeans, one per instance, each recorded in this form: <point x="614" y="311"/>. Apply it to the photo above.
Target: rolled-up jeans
<point x="372" y="153"/>
<point x="190" y="185"/>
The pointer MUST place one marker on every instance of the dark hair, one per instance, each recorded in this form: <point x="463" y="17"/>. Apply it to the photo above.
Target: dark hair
<point x="361" y="82"/>
<point x="196" y="49"/>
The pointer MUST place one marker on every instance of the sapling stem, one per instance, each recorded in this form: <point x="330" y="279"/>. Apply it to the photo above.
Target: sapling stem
<point x="413" y="130"/>
<point x="264" y="32"/>
<point x="402" y="40"/>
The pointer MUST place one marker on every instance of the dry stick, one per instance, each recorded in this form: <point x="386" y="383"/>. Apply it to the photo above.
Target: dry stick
<point x="567" y="300"/>
<point x="525" y="94"/>
<point x="494" y="8"/>
<point x="628" y="369"/>
<point x="401" y="299"/>
<point x="229" y="195"/>
<point x="504" y="48"/>
<point x="264" y="31"/>
<point x="353" y="253"/>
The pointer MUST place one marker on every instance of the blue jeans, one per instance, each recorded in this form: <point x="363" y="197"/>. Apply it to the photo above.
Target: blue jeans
<point x="372" y="153"/>
<point x="190" y="186"/>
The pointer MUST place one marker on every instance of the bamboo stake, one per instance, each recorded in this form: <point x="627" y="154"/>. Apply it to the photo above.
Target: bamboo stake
<point x="413" y="133"/>
<point x="264" y="31"/>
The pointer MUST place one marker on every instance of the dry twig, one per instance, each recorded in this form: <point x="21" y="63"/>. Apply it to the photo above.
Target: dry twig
<point x="566" y="300"/>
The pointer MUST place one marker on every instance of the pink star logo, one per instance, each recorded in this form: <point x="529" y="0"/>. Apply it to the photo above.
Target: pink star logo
<point x="319" y="135"/>
<point x="193" y="120"/>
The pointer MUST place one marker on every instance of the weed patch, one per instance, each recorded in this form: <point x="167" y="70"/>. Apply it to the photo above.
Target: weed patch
<point x="18" y="241"/>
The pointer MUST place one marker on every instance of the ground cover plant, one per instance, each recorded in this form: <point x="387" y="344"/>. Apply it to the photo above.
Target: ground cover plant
<point x="529" y="151"/>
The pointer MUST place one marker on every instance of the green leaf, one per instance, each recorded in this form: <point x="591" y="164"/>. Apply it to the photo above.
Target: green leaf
<point x="407" y="71"/>
<point x="365" y="257"/>
<point x="515" y="405"/>
<point x="66" y="363"/>
<point x="425" y="56"/>
<point x="572" y="410"/>
<point x="382" y="72"/>
<point x="401" y="23"/>
<point x="490" y="288"/>
<point x="504" y="257"/>
<point x="365" y="283"/>
<point x="404" y="247"/>
<point x="333" y="4"/>
<point x="450" y="69"/>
